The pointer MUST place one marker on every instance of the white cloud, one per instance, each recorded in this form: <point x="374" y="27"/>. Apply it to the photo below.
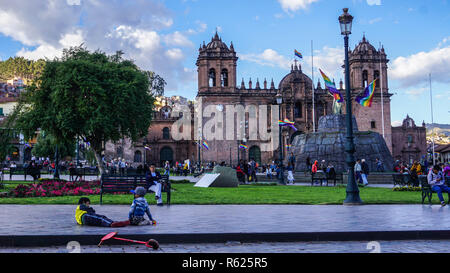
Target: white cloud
<point x="177" y="39"/>
<point x="375" y="20"/>
<point x="415" y="68"/>
<point x="374" y="2"/>
<point x="51" y="51"/>
<point x="329" y="60"/>
<point x="294" y="5"/>
<point x="74" y="2"/>
<point x="415" y="92"/>
<point x="45" y="27"/>
<point x="268" y="57"/>
<point x="396" y="123"/>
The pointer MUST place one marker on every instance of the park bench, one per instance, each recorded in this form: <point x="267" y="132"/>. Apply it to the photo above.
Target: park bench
<point x="80" y="172"/>
<point x="124" y="184"/>
<point x="405" y="180"/>
<point x="427" y="192"/>
<point x="322" y="177"/>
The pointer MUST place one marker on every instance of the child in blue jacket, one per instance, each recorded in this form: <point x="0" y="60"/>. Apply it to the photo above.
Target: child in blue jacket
<point x="139" y="208"/>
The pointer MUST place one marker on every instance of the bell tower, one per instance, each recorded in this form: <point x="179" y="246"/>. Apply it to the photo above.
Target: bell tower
<point x="216" y="67"/>
<point x="367" y="64"/>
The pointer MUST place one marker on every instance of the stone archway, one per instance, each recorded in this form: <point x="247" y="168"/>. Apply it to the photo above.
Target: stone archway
<point x="166" y="154"/>
<point x="255" y="153"/>
<point x="294" y="135"/>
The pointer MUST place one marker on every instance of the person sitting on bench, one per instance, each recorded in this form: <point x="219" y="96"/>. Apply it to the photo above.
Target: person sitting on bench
<point x="437" y="182"/>
<point x="152" y="178"/>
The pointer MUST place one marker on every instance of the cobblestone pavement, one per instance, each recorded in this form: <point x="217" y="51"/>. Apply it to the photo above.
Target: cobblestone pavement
<point x="192" y="219"/>
<point x="236" y="247"/>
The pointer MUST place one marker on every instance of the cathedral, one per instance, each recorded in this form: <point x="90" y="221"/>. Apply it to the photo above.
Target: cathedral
<point x="218" y="88"/>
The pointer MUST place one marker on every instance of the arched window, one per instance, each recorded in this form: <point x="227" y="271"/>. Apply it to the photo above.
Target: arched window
<point x="212" y="77"/>
<point x="137" y="156"/>
<point x="224" y="78"/>
<point x="365" y="78"/>
<point x="298" y="110"/>
<point x="376" y="74"/>
<point x="166" y="133"/>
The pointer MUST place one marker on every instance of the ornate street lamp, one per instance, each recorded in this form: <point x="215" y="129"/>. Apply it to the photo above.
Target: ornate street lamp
<point x="345" y="20"/>
<point x="279" y="100"/>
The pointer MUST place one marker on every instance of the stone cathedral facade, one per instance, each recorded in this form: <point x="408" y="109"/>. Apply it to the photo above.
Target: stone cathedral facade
<point x="220" y="89"/>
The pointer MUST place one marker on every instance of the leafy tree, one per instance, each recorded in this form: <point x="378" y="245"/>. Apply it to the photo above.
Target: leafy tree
<point x="46" y="144"/>
<point x="91" y="95"/>
<point x="157" y="83"/>
<point x="28" y="70"/>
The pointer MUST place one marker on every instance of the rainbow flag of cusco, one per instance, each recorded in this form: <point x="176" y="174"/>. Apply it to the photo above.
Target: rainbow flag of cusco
<point x="205" y="144"/>
<point x="332" y="88"/>
<point x="242" y="146"/>
<point x="366" y="98"/>
<point x="298" y="54"/>
<point x="287" y="122"/>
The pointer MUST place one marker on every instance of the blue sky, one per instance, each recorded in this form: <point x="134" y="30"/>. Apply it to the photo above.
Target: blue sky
<point x="164" y="36"/>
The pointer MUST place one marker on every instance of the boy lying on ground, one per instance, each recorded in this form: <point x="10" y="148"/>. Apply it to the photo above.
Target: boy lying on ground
<point x="85" y="215"/>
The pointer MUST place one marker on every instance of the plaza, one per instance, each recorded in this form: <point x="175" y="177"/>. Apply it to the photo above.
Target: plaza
<point x="290" y="126"/>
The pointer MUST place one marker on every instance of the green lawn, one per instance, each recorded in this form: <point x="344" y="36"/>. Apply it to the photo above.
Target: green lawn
<point x="247" y="194"/>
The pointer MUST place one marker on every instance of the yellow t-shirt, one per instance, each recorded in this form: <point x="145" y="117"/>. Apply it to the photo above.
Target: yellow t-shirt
<point x="79" y="214"/>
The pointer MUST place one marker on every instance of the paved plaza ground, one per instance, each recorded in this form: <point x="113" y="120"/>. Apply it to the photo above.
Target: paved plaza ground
<point x="47" y="225"/>
<point x="419" y="246"/>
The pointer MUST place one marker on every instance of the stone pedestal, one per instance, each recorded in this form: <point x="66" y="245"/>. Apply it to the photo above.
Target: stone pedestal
<point x="329" y="144"/>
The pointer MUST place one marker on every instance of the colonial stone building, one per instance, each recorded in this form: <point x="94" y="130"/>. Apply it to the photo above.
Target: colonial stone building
<point x="217" y="85"/>
<point x="219" y="95"/>
<point x="409" y="141"/>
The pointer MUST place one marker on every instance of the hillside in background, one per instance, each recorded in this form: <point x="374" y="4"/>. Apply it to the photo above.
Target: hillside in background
<point x="441" y="133"/>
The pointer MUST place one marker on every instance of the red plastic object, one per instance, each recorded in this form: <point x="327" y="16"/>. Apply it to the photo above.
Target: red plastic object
<point x="150" y="243"/>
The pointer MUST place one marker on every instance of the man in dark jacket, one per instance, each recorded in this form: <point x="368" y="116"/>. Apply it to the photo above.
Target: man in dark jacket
<point x="152" y="178"/>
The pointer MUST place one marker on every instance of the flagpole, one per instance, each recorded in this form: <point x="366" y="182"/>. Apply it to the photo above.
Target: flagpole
<point x="312" y="84"/>
<point x="381" y="89"/>
<point x="432" y="121"/>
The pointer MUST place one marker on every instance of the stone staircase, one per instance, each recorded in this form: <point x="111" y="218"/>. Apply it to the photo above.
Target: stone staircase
<point x="300" y="177"/>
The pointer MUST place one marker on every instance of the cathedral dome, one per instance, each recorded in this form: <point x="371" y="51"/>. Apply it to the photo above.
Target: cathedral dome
<point x="296" y="76"/>
<point x="364" y="46"/>
<point x="216" y="42"/>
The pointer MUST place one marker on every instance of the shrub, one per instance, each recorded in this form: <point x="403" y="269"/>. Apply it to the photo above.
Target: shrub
<point x="50" y="188"/>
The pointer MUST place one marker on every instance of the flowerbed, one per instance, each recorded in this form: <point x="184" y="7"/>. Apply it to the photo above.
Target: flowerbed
<point x="408" y="188"/>
<point x="52" y="188"/>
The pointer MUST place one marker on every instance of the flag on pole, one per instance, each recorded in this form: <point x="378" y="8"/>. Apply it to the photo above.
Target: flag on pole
<point x="288" y="146"/>
<point x="205" y="144"/>
<point x="147" y="147"/>
<point x="366" y="98"/>
<point x="242" y="146"/>
<point x="298" y="54"/>
<point x="332" y="88"/>
<point x="287" y="122"/>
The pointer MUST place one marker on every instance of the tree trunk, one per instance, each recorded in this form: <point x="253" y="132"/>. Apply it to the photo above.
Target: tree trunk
<point x="99" y="162"/>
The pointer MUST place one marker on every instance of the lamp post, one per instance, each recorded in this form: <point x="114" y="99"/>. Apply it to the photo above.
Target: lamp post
<point x="56" y="174"/>
<point x="279" y="100"/>
<point x="352" y="198"/>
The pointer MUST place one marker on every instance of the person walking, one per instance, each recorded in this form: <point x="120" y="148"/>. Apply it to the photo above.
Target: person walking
<point x="292" y="161"/>
<point x="290" y="176"/>
<point x="167" y="168"/>
<point x="358" y="170"/>
<point x="364" y="171"/>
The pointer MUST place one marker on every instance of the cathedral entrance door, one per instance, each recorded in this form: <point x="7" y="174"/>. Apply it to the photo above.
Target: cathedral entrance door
<point x="166" y="154"/>
<point x="255" y="153"/>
